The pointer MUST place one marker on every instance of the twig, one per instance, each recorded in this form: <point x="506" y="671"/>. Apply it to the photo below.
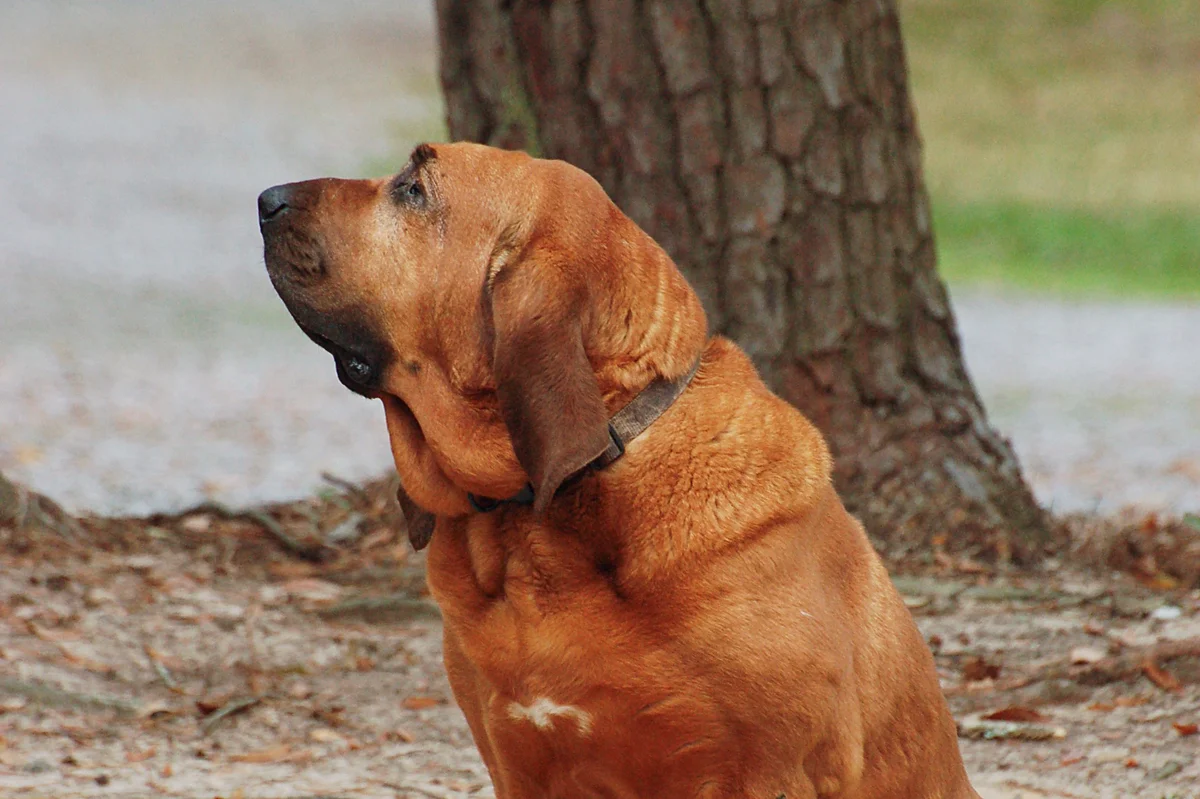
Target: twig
<point x="346" y="485"/>
<point x="347" y="531"/>
<point x="160" y="668"/>
<point x="21" y="507"/>
<point x="230" y="707"/>
<point x="395" y="786"/>
<point x="57" y="697"/>
<point x="1109" y="669"/>
<point x="314" y="552"/>
<point x="390" y="608"/>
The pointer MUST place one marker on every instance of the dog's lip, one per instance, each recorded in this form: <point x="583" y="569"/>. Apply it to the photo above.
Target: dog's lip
<point x="329" y="345"/>
<point x="340" y="355"/>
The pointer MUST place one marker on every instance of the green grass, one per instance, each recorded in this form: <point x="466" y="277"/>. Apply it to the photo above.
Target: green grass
<point x="1062" y="141"/>
<point x="1134" y="253"/>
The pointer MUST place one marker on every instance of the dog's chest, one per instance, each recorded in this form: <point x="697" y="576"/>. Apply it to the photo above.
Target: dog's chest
<point x="565" y="674"/>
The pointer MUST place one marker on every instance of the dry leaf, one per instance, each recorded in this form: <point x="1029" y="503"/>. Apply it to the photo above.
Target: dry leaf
<point x="421" y="702"/>
<point x="213" y="702"/>
<point x="196" y="523"/>
<point x="1131" y="701"/>
<point x="1186" y="729"/>
<point x="1132" y="763"/>
<point x="86" y="662"/>
<point x="138" y="757"/>
<point x="1159" y="581"/>
<point x="300" y="690"/>
<point x="1160" y="677"/>
<point x="1083" y="655"/>
<point x="1092" y="628"/>
<point x="272" y="754"/>
<point x="154" y="708"/>
<point x="291" y="569"/>
<point x="977" y="668"/>
<point x="311" y="589"/>
<point x="1014" y="713"/>
<point x="54" y="636"/>
<point x="324" y="735"/>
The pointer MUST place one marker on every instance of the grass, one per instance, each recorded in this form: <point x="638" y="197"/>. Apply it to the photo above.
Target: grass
<point x="1138" y="252"/>
<point x="1062" y="142"/>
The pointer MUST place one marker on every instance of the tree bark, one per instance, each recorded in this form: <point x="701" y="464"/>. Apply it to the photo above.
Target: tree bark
<point x="770" y="147"/>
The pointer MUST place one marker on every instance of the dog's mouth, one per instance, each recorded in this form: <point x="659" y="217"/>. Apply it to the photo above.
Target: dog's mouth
<point x="354" y="371"/>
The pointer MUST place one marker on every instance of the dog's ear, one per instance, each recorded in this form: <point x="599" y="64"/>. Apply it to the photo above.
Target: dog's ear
<point x="420" y="522"/>
<point x="548" y="393"/>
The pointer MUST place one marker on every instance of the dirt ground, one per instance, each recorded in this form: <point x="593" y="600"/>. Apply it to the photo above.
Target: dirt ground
<point x="193" y="656"/>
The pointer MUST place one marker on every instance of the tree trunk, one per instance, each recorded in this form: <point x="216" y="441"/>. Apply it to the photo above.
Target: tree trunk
<point x="770" y="147"/>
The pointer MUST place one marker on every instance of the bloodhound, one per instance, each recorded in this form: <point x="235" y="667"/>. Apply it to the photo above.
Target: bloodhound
<point x="650" y="588"/>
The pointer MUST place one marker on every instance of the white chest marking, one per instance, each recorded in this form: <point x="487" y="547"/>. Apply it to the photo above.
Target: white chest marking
<point x="543" y="711"/>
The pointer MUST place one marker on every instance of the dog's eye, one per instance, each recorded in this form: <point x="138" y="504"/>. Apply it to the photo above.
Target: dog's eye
<point x="357" y="370"/>
<point x="409" y="191"/>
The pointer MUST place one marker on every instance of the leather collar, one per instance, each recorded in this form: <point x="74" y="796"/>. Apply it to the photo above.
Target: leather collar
<point x="625" y="425"/>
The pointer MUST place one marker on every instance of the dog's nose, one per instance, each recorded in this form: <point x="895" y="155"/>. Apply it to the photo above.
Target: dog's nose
<point x="273" y="202"/>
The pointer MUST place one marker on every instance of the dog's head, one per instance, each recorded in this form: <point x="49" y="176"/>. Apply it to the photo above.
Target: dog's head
<point x="499" y="305"/>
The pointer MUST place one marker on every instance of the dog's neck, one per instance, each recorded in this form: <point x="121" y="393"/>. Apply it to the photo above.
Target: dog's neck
<point x="625" y="425"/>
<point x="679" y="492"/>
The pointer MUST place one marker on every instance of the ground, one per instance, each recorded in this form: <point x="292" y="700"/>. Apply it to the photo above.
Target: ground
<point x="194" y="657"/>
<point x="149" y="367"/>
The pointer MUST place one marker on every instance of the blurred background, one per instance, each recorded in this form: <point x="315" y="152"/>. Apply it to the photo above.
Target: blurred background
<point x="146" y="363"/>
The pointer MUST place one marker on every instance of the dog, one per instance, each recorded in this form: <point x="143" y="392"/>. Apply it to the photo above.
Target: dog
<point x="649" y="585"/>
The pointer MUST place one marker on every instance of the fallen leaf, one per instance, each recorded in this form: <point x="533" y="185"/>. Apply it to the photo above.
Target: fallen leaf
<point x="213" y="702"/>
<point x="421" y="702"/>
<point x="324" y="735"/>
<point x="311" y="589"/>
<point x="291" y="569"/>
<point x="1159" y="581"/>
<point x="300" y="690"/>
<point x="196" y="523"/>
<point x="138" y="757"/>
<point x="1166" y="613"/>
<point x="86" y="662"/>
<point x="1132" y="763"/>
<point x="1186" y="729"/>
<point x="977" y="668"/>
<point x="272" y="754"/>
<point x="1168" y="769"/>
<point x="54" y="636"/>
<point x="1160" y="677"/>
<point x="1014" y="713"/>
<point x="1070" y="760"/>
<point x="1092" y="628"/>
<point x="154" y="708"/>
<point x="1131" y="701"/>
<point x="1083" y="655"/>
<point x="1102" y="707"/>
<point x="1009" y="730"/>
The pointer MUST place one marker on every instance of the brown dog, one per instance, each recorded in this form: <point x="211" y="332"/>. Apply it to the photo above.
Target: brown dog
<point x="697" y="616"/>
